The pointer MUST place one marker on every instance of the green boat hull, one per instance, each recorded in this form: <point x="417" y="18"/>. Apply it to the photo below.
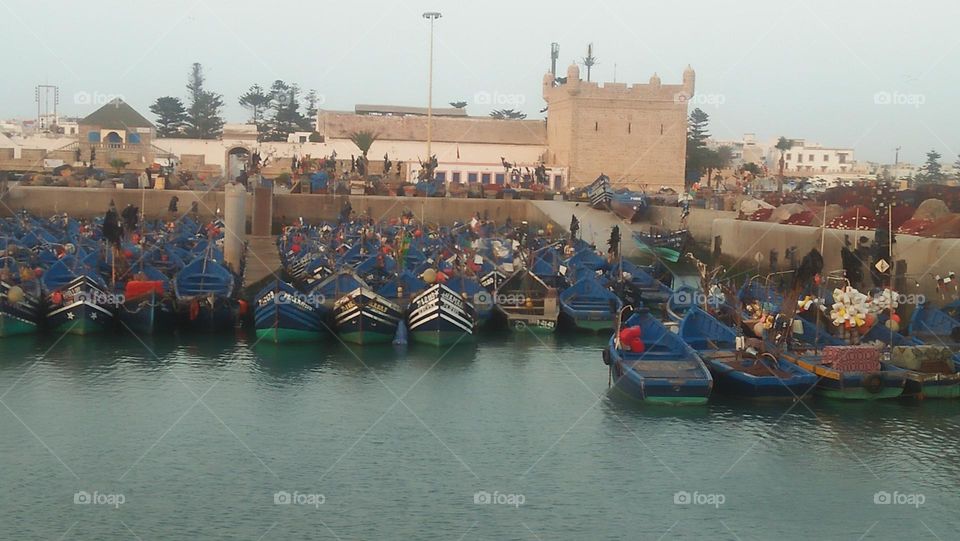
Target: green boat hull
<point x="11" y="326"/>
<point x="363" y="338"/>
<point x="859" y="393"/>
<point x="441" y="338"/>
<point x="286" y="336"/>
<point x="82" y="327"/>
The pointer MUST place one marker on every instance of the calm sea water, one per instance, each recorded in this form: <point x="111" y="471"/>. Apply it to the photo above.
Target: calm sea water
<point x="193" y="437"/>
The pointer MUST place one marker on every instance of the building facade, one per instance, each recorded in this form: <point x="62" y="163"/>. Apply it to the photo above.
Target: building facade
<point x="811" y="159"/>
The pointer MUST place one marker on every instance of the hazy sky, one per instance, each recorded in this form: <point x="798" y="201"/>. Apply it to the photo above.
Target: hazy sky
<point x="868" y="74"/>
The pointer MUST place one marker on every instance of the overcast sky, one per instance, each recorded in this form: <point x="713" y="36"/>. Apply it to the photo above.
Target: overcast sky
<point x="872" y="75"/>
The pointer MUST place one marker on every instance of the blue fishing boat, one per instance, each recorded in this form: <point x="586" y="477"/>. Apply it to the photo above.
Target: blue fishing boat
<point x="527" y="303"/>
<point x="482" y="300"/>
<point x="806" y="350"/>
<point x="599" y="193"/>
<point x="148" y="306"/>
<point x="81" y="305"/>
<point x="364" y="317"/>
<point x="933" y="325"/>
<point x="20" y="311"/>
<point x="736" y="373"/>
<point x="665" y="371"/>
<point x="283" y="314"/>
<point x="924" y="379"/>
<point x="441" y="317"/>
<point x="629" y="205"/>
<point x="668" y="245"/>
<point x="204" y="295"/>
<point x="326" y="293"/>
<point x="589" y="306"/>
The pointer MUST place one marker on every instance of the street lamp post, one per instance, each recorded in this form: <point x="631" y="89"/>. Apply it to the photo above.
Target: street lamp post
<point x="433" y="16"/>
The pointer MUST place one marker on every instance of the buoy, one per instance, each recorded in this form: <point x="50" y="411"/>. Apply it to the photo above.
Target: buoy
<point x="56" y="297"/>
<point x="15" y="294"/>
<point x="429" y="276"/>
<point x="243" y="307"/>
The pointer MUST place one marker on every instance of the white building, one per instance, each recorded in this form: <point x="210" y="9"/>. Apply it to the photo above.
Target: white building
<point x="811" y="159"/>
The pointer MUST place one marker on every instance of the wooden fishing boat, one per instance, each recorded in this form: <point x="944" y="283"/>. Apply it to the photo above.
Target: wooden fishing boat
<point x="440" y="316"/>
<point x="147" y="307"/>
<point x="588" y="305"/>
<point x="204" y="296"/>
<point x="81" y="306"/>
<point x="629" y="205"/>
<point x="933" y="325"/>
<point x="528" y="303"/>
<point x="282" y="314"/>
<point x="637" y="287"/>
<point x="482" y="300"/>
<point x="667" y="245"/>
<point x="599" y="193"/>
<point x="924" y="379"/>
<point x="665" y="370"/>
<point x="738" y="373"/>
<point x="364" y="317"/>
<point x="20" y="311"/>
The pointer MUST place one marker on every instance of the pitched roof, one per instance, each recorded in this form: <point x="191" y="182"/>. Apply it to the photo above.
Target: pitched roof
<point x="117" y="115"/>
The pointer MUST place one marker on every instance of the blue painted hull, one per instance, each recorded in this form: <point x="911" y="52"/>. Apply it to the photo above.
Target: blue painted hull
<point x="290" y="316"/>
<point x="363" y="317"/>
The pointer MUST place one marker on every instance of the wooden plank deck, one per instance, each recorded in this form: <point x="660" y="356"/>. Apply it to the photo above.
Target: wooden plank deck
<point x="262" y="262"/>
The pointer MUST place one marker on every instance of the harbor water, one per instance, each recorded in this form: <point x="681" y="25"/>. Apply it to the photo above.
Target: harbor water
<point x="516" y="437"/>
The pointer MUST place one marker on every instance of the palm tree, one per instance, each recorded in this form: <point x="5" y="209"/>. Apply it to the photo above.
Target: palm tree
<point x="118" y="164"/>
<point x="783" y="145"/>
<point x="364" y="140"/>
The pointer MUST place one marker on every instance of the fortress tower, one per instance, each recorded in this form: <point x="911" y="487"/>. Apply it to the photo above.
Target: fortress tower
<point x="634" y="134"/>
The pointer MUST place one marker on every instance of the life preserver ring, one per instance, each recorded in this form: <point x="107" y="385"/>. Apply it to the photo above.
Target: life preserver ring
<point x="194" y="310"/>
<point x="873" y="383"/>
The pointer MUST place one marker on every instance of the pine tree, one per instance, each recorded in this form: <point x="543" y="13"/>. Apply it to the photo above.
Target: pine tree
<point x="203" y="115"/>
<point x="286" y="117"/>
<point x="171" y="116"/>
<point x="257" y="100"/>
<point x="932" y="171"/>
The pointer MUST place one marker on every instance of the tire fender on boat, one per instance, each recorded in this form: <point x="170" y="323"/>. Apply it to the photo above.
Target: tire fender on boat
<point x="606" y="356"/>
<point x="873" y="383"/>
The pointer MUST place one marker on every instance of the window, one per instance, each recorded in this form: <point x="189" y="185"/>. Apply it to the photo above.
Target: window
<point x="456" y="177"/>
<point x="441" y="176"/>
<point x="799" y="158"/>
<point x="842" y="157"/>
<point x="789" y="156"/>
<point x="812" y="158"/>
<point x="596" y="126"/>
<point x="485" y="178"/>
<point x="499" y="178"/>
<point x="557" y="182"/>
<point x="133" y="138"/>
<point x="826" y="157"/>
<point x="93" y="137"/>
<point x="303" y="138"/>
<point x="629" y="127"/>
<point x="471" y="177"/>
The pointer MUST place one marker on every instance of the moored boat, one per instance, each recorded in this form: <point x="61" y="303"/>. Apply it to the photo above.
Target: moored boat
<point x="648" y="362"/>
<point x="629" y="205"/>
<point x="364" y="317"/>
<point x="440" y="316"/>
<point x="588" y="305"/>
<point x="738" y="373"/>
<point x="204" y="296"/>
<point x="283" y="314"/>
<point x="19" y="308"/>
<point x="528" y="303"/>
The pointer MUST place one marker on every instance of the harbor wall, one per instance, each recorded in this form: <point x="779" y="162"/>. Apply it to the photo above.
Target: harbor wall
<point x="92" y="202"/>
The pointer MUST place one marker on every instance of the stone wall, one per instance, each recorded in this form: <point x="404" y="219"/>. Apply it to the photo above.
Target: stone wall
<point x="338" y="125"/>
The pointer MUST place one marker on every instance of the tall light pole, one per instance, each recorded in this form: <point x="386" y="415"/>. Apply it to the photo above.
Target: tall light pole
<point x="433" y="16"/>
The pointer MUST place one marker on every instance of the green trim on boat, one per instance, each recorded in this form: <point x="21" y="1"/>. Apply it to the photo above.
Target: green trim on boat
<point x="10" y="326"/>
<point x="362" y="338"/>
<point x="441" y="338"/>
<point x="859" y="393"/>
<point x="283" y="336"/>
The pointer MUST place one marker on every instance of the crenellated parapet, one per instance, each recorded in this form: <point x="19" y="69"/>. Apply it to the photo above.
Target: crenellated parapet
<point x="654" y="90"/>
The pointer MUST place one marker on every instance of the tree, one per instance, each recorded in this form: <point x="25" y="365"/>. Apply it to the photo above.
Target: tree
<point x="203" y="115"/>
<point x="507" y="114"/>
<point x="286" y="117"/>
<point x="118" y="164"/>
<point x="783" y="145"/>
<point x="932" y="171"/>
<point x="751" y="168"/>
<point x="171" y="116"/>
<point x="257" y="100"/>
<point x="458" y="104"/>
<point x="364" y="140"/>
<point x="697" y="152"/>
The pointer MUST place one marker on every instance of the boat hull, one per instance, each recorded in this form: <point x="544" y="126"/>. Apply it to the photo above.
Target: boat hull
<point x="207" y="315"/>
<point x="282" y="315"/>
<point x="147" y="315"/>
<point x="363" y="317"/>
<point x="80" y="318"/>
<point x="853" y="385"/>
<point x="440" y="317"/>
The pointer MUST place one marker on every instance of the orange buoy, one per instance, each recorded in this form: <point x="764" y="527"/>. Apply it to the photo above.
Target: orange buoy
<point x="243" y="307"/>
